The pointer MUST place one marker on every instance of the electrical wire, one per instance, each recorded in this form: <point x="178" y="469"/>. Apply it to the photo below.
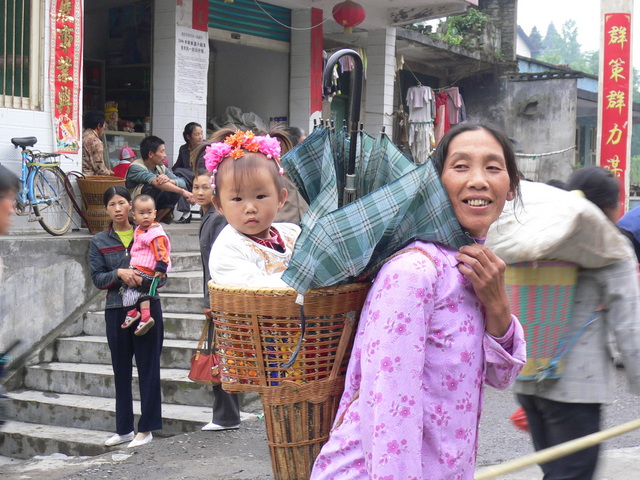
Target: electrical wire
<point x="288" y="26"/>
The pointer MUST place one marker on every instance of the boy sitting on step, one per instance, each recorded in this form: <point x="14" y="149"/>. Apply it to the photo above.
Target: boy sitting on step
<point x="150" y="258"/>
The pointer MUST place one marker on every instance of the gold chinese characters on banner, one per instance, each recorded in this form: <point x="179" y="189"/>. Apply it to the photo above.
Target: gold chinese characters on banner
<point x="616" y="97"/>
<point x="64" y="73"/>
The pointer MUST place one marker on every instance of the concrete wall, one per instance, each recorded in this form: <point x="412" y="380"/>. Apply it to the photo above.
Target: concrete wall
<point x="43" y="281"/>
<point x="539" y="115"/>
<point x="503" y="14"/>
<point x="542" y="118"/>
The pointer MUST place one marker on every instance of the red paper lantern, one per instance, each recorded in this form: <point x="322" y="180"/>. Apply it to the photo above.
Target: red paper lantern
<point x="348" y="14"/>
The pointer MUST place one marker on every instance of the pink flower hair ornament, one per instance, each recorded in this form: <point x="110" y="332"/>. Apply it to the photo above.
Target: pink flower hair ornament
<point x="234" y="147"/>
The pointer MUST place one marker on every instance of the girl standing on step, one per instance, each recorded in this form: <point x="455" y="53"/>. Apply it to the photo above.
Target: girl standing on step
<point x="109" y="263"/>
<point x="226" y="406"/>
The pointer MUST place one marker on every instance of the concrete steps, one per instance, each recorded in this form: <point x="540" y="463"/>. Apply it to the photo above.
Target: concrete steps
<point x="67" y="402"/>
<point x="97" y="380"/>
<point x="92" y="412"/>
<point x="94" y="349"/>
<point x="25" y="440"/>
<point x="176" y="325"/>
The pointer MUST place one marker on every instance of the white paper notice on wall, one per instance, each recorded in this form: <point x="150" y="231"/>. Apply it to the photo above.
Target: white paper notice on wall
<point x="192" y="64"/>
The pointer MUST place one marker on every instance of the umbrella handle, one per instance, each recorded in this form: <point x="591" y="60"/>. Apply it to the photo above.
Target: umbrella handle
<point x="356" y="96"/>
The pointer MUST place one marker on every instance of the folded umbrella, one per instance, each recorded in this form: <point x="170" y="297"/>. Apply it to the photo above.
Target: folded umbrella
<point x="401" y="202"/>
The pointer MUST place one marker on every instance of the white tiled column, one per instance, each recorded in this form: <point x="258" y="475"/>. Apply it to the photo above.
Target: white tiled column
<point x="381" y="62"/>
<point x="169" y="116"/>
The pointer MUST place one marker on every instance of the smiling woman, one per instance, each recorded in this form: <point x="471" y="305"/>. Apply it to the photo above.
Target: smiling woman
<point x="479" y="175"/>
<point x="434" y="328"/>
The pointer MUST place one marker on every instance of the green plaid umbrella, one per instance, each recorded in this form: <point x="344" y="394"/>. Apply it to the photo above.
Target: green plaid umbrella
<point x="399" y="202"/>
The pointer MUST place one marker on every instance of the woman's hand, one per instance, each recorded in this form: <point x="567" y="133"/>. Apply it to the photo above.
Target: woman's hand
<point x="129" y="277"/>
<point x="485" y="271"/>
<point x="207" y="313"/>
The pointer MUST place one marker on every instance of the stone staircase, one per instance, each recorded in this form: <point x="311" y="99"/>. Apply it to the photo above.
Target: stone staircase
<point x="67" y="403"/>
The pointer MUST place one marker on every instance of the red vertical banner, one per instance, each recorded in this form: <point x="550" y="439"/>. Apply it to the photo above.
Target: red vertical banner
<point x="64" y="73"/>
<point x="616" y="96"/>
<point x="200" y="17"/>
<point x="315" y="94"/>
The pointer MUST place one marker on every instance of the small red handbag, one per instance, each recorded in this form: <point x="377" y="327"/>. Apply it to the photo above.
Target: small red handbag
<point x="205" y="363"/>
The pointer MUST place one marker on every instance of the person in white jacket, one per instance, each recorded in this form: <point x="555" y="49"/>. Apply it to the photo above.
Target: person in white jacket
<point x="248" y="190"/>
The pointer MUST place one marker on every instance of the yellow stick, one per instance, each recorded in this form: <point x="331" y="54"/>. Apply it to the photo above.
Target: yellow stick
<point x="555" y="452"/>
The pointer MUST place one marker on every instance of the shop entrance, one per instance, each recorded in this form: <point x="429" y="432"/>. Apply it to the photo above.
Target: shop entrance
<point x="117" y="70"/>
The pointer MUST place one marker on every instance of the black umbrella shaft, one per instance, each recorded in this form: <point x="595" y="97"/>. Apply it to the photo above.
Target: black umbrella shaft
<point x="356" y="96"/>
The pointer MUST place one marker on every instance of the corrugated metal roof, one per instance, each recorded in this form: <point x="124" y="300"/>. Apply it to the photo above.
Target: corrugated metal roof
<point x="251" y="18"/>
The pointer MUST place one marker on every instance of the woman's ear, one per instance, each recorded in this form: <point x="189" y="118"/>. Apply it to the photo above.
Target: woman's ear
<point x="511" y="194"/>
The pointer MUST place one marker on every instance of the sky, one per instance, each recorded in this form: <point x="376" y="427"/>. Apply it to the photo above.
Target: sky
<point x="586" y="13"/>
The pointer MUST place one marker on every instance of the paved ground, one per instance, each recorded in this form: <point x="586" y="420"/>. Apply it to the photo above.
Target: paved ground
<point x="233" y="455"/>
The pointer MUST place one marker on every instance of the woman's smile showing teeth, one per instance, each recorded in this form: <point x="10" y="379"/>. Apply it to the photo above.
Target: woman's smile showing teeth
<point x="476" y="202"/>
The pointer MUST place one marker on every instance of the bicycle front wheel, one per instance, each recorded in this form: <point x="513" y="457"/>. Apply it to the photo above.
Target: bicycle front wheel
<point x="51" y="202"/>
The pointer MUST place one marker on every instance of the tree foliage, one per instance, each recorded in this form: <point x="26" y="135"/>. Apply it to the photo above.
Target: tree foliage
<point x="563" y="48"/>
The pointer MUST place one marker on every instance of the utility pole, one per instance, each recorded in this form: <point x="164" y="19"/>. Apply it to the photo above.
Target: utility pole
<point x="615" y="94"/>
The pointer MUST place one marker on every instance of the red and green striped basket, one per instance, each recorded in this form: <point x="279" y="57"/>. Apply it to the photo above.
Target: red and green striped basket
<point x="541" y="295"/>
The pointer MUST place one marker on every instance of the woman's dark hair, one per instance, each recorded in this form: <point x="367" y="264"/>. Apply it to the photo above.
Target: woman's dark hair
<point x="113" y="191"/>
<point x="294" y="134"/>
<point x="442" y="150"/>
<point x="279" y="132"/>
<point x="597" y="184"/>
<point x="150" y="144"/>
<point x="188" y="130"/>
<point x="93" y="118"/>
<point x="9" y="181"/>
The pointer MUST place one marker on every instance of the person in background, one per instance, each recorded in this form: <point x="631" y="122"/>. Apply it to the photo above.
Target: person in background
<point x="150" y="176"/>
<point x="435" y="328"/>
<point x="295" y="206"/>
<point x="607" y="300"/>
<point x="226" y="406"/>
<point x="9" y="187"/>
<point x="193" y="136"/>
<point x="109" y="262"/>
<point x="295" y="134"/>
<point x="150" y="258"/>
<point x="629" y="225"/>
<point x="92" y="146"/>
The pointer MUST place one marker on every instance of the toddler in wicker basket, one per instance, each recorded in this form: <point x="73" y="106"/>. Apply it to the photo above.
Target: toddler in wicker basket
<point x="149" y="258"/>
<point x="248" y="190"/>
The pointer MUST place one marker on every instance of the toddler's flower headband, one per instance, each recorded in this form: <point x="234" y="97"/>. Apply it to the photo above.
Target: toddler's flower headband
<point x="234" y="147"/>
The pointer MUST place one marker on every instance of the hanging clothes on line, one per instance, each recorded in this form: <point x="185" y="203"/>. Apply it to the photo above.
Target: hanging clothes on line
<point x="442" y="125"/>
<point x="455" y="106"/>
<point x="422" y="110"/>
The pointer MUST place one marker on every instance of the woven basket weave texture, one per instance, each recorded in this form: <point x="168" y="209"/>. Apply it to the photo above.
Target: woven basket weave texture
<point x="92" y="188"/>
<point x="256" y="332"/>
<point x="541" y="295"/>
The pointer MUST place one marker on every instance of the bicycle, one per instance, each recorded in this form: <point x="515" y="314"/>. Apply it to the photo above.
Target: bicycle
<point x="44" y="193"/>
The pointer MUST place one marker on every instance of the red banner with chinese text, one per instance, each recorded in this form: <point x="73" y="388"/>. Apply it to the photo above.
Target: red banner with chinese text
<point x="616" y="96"/>
<point x="64" y="73"/>
<point x="315" y="95"/>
